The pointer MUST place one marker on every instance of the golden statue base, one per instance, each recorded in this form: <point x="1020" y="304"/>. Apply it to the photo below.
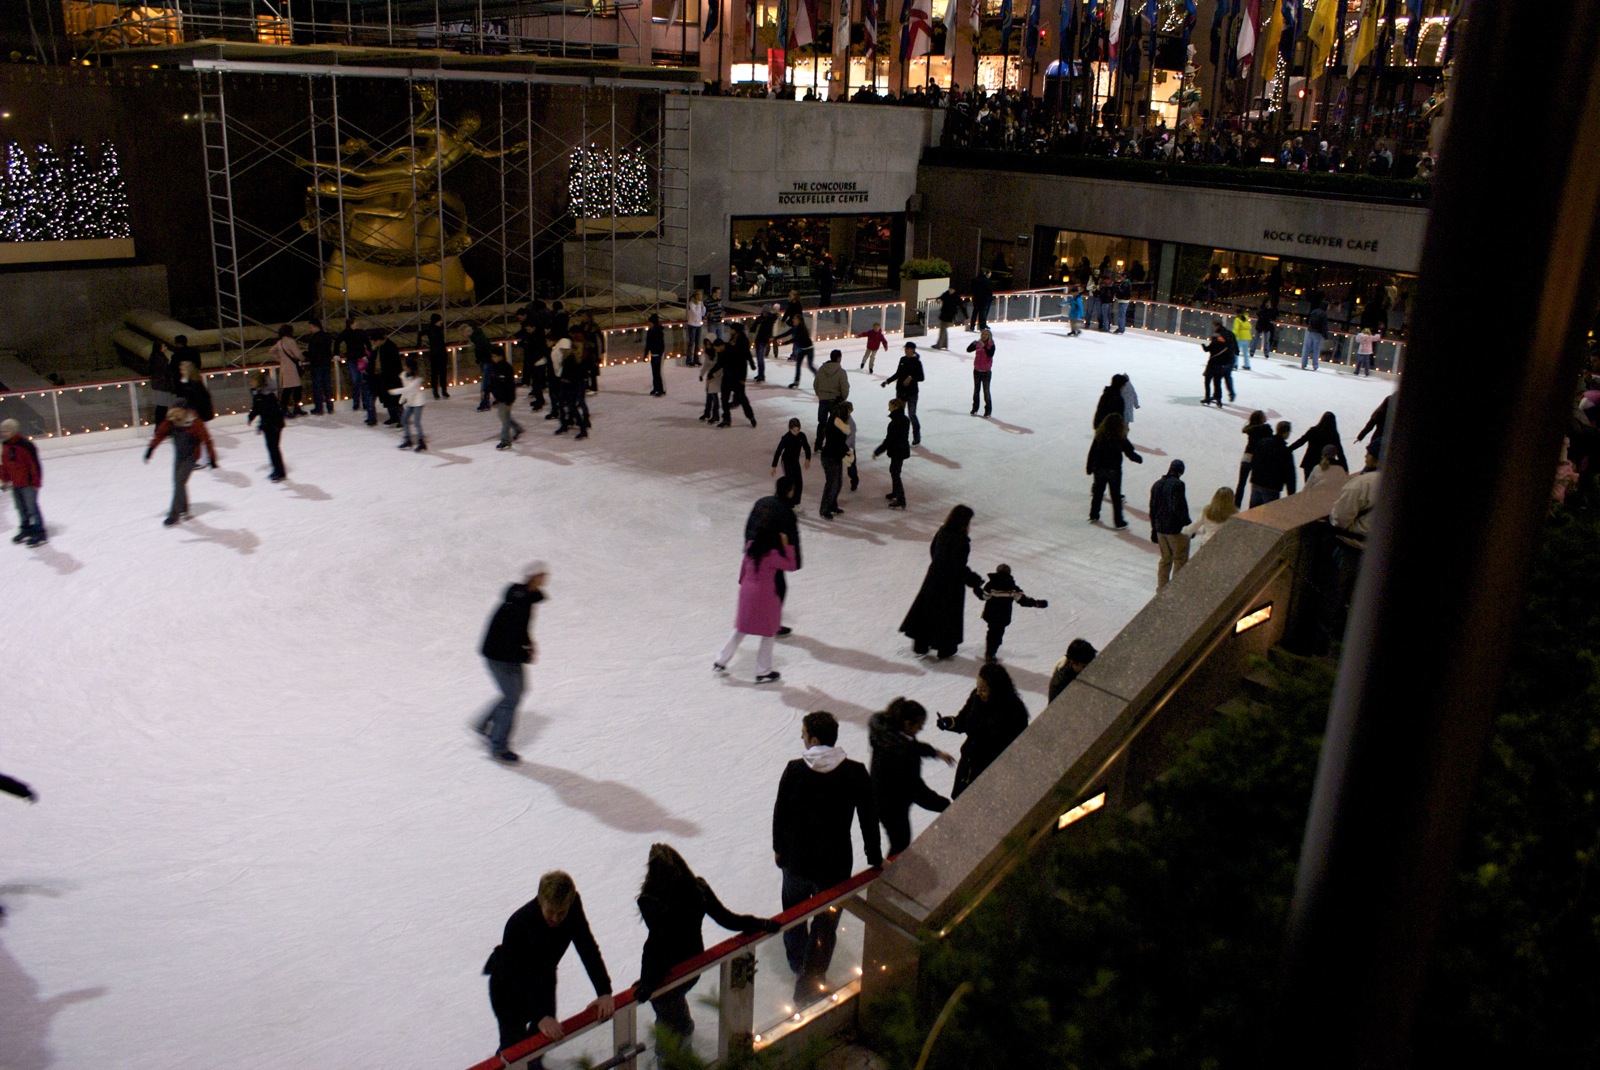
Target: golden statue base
<point x="369" y="283"/>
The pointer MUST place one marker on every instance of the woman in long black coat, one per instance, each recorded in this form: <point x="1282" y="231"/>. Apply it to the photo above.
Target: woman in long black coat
<point x="1325" y="433"/>
<point x="935" y="619"/>
<point x="674" y="903"/>
<point x="993" y="716"/>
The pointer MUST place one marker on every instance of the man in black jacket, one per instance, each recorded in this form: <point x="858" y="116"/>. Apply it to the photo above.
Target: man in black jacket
<point x="817" y="797"/>
<point x="503" y="389"/>
<point x="432" y="337"/>
<point x="507" y="647"/>
<point x="522" y="969"/>
<point x="949" y="312"/>
<point x="1271" y="467"/>
<point x="982" y="299"/>
<point x="1169" y="515"/>
<point x="1221" y="352"/>
<point x="319" y="359"/>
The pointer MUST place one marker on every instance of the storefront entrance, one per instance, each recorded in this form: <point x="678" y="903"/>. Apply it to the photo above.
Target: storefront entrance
<point x="772" y="255"/>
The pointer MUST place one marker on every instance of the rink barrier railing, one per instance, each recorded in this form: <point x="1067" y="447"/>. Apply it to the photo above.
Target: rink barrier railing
<point x="114" y="404"/>
<point x="1188" y="321"/>
<point x="58" y="412"/>
<point x="736" y="962"/>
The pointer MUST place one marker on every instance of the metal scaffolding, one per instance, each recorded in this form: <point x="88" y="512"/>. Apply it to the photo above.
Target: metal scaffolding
<point x="518" y="234"/>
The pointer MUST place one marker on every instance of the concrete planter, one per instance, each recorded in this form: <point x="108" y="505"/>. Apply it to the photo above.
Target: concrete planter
<point x="916" y="293"/>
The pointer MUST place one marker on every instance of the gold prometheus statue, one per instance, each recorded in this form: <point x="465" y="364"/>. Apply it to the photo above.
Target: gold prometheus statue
<point x="397" y="232"/>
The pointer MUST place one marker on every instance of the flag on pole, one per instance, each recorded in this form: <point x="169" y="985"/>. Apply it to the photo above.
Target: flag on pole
<point x="1413" y="27"/>
<point x="1249" y="33"/>
<point x="1064" y="31"/>
<point x="1217" y="15"/>
<point x="713" y="18"/>
<point x="750" y="21"/>
<point x="1366" y="38"/>
<point x="1005" y="24"/>
<point x="975" y="20"/>
<point x="805" y="24"/>
<point x="1320" y="35"/>
<point x="783" y="25"/>
<point x="1031" y="45"/>
<point x="1190" y="17"/>
<point x="919" y="30"/>
<point x="841" y="37"/>
<point x="1267" y="49"/>
<point x="1115" y="39"/>
<point x="869" y="28"/>
<point x="1291" y="29"/>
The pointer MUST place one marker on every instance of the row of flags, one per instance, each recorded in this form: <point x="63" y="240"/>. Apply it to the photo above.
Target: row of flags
<point x="1267" y="29"/>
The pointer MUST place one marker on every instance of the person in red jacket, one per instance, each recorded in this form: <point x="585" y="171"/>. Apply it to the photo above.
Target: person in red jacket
<point x="21" y="474"/>
<point x="189" y="439"/>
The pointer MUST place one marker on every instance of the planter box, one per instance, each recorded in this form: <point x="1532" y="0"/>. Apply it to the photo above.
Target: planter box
<point x="916" y="293"/>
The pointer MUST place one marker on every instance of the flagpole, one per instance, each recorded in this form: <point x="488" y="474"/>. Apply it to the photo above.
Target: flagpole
<point x="722" y="31"/>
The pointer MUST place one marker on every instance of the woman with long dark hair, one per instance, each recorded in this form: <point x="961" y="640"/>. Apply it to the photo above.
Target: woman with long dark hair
<point x="896" y="769"/>
<point x="674" y="903"/>
<point x="934" y="621"/>
<point x="1325" y="433"/>
<point x="1110" y="445"/>
<point x="760" y="608"/>
<point x="992" y="717"/>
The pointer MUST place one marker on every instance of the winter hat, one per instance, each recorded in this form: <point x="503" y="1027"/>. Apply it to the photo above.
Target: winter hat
<point x="1175" y="468"/>
<point x="1330" y="452"/>
<point x="535" y="567"/>
<point x="9" y="428"/>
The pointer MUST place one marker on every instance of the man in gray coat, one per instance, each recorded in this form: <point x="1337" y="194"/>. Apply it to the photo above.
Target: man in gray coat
<point x="832" y="385"/>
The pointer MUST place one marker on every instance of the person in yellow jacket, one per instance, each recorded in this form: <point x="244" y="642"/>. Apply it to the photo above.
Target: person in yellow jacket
<point x="1241" y="331"/>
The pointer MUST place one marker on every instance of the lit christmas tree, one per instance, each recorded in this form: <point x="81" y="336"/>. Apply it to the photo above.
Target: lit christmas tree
<point x="600" y="184"/>
<point x="46" y="198"/>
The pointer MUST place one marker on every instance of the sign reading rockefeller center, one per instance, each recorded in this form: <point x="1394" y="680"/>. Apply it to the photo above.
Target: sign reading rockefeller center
<point x="823" y="193"/>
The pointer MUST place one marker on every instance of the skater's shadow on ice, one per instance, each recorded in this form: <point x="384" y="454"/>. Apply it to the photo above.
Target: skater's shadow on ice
<point x="230" y="477"/>
<point x="448" y="458"/>
<point x="937" y="458"/>
<point x="65" y="564"/>
<point x="308" y="492"/>
<point x="1010" y="429"/>
<point x="246" y="542"/>
<point x="1141" y="541"/>
<point x="846" y="657"/>
<point x="806" y="699"/>
<point x="25" y="1019"/>
<point x="613" y="803"/>
<point x="1265" y="375"/>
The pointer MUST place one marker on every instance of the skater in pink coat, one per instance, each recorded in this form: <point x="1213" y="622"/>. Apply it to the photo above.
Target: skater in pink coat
<point x="760" y="609"/>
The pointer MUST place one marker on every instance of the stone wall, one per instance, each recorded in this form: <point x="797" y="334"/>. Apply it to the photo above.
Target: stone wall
<point x="965" y="205"/>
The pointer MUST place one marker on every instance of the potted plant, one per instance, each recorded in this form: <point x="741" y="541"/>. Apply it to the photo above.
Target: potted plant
<point x="921" y="280"/>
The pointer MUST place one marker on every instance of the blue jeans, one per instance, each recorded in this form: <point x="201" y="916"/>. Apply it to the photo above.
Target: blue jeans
<point x="1312" y="350"/>
<point x="1261" y="495"/>
<point x="1255" y="341"/>
<point x="411" y="421"/>
<point x="483" y="381"/>
<point x="1364" y="363"/>
<point x="761" y="360"/>
<point x="496" y="724"/>
<point x="1122" y="315"/>
<point x="27" y="502"/>
<point x="1246" y="352"/>
<point x="691" y="345"/>
<point x="358" y="380"/>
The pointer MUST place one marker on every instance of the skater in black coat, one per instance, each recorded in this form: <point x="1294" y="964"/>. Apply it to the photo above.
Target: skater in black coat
<point x="1325" y="433"/>
<point x="787" y="454"/>
<point x="1111" y="401"/>
<point x="265" y="406"/>
<point x="522" y="968"/>
<point x="897" y="769"/>
<point x="389" y="379"/>
<point x="1110" y="445"/>
<point x="897" y="444"/>
<point x="934" y="621"/>
<point x="992" y="717"/>
<point x="1000" y="595"/>
<point x="906" y="378"/>
<point x="674" y="904"/>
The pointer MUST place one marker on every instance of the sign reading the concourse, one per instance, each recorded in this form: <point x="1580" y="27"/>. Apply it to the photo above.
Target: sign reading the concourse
<point x="823" y="193"/>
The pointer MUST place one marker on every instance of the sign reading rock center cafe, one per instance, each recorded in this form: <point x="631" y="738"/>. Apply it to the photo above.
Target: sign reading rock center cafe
<point x="1323" y="241"/>
<point x="823" y="193"/>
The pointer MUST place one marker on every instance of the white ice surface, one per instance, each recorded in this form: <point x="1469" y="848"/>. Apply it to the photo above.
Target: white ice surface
<point x="266" y="838"/>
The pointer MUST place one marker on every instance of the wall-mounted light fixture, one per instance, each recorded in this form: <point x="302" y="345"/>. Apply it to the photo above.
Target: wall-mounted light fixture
<point x="1253" y="618"/>
<point x="1082" y="810"/>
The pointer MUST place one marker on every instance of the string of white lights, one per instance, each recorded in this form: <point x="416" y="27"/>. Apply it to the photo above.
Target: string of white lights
<point x="600" y="184"/>
<point x="45" y="197"/>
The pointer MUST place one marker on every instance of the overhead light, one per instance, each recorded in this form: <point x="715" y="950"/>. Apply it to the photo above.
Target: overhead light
<point x="1082" y="810"/>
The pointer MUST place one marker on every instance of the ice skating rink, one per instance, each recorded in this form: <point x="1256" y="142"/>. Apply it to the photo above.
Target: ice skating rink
<point x="266" y="837"/>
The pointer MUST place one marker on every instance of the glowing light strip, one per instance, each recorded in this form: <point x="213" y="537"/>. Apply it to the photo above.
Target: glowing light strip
<point x="1250" y="620"/>
<point x="1082" y="810"/>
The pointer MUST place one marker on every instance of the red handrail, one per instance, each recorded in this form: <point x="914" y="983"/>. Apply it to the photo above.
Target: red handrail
<point x="689" y="967"/>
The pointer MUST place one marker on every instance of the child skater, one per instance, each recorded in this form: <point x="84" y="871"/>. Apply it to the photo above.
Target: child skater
<point x="999" y="595"/>
<point x="411" y="393"/>
<point x="790" y="446"/>
<point x="897" y="444"/>
<point x="711" y="373"/>
<point x="875" y="342"/>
